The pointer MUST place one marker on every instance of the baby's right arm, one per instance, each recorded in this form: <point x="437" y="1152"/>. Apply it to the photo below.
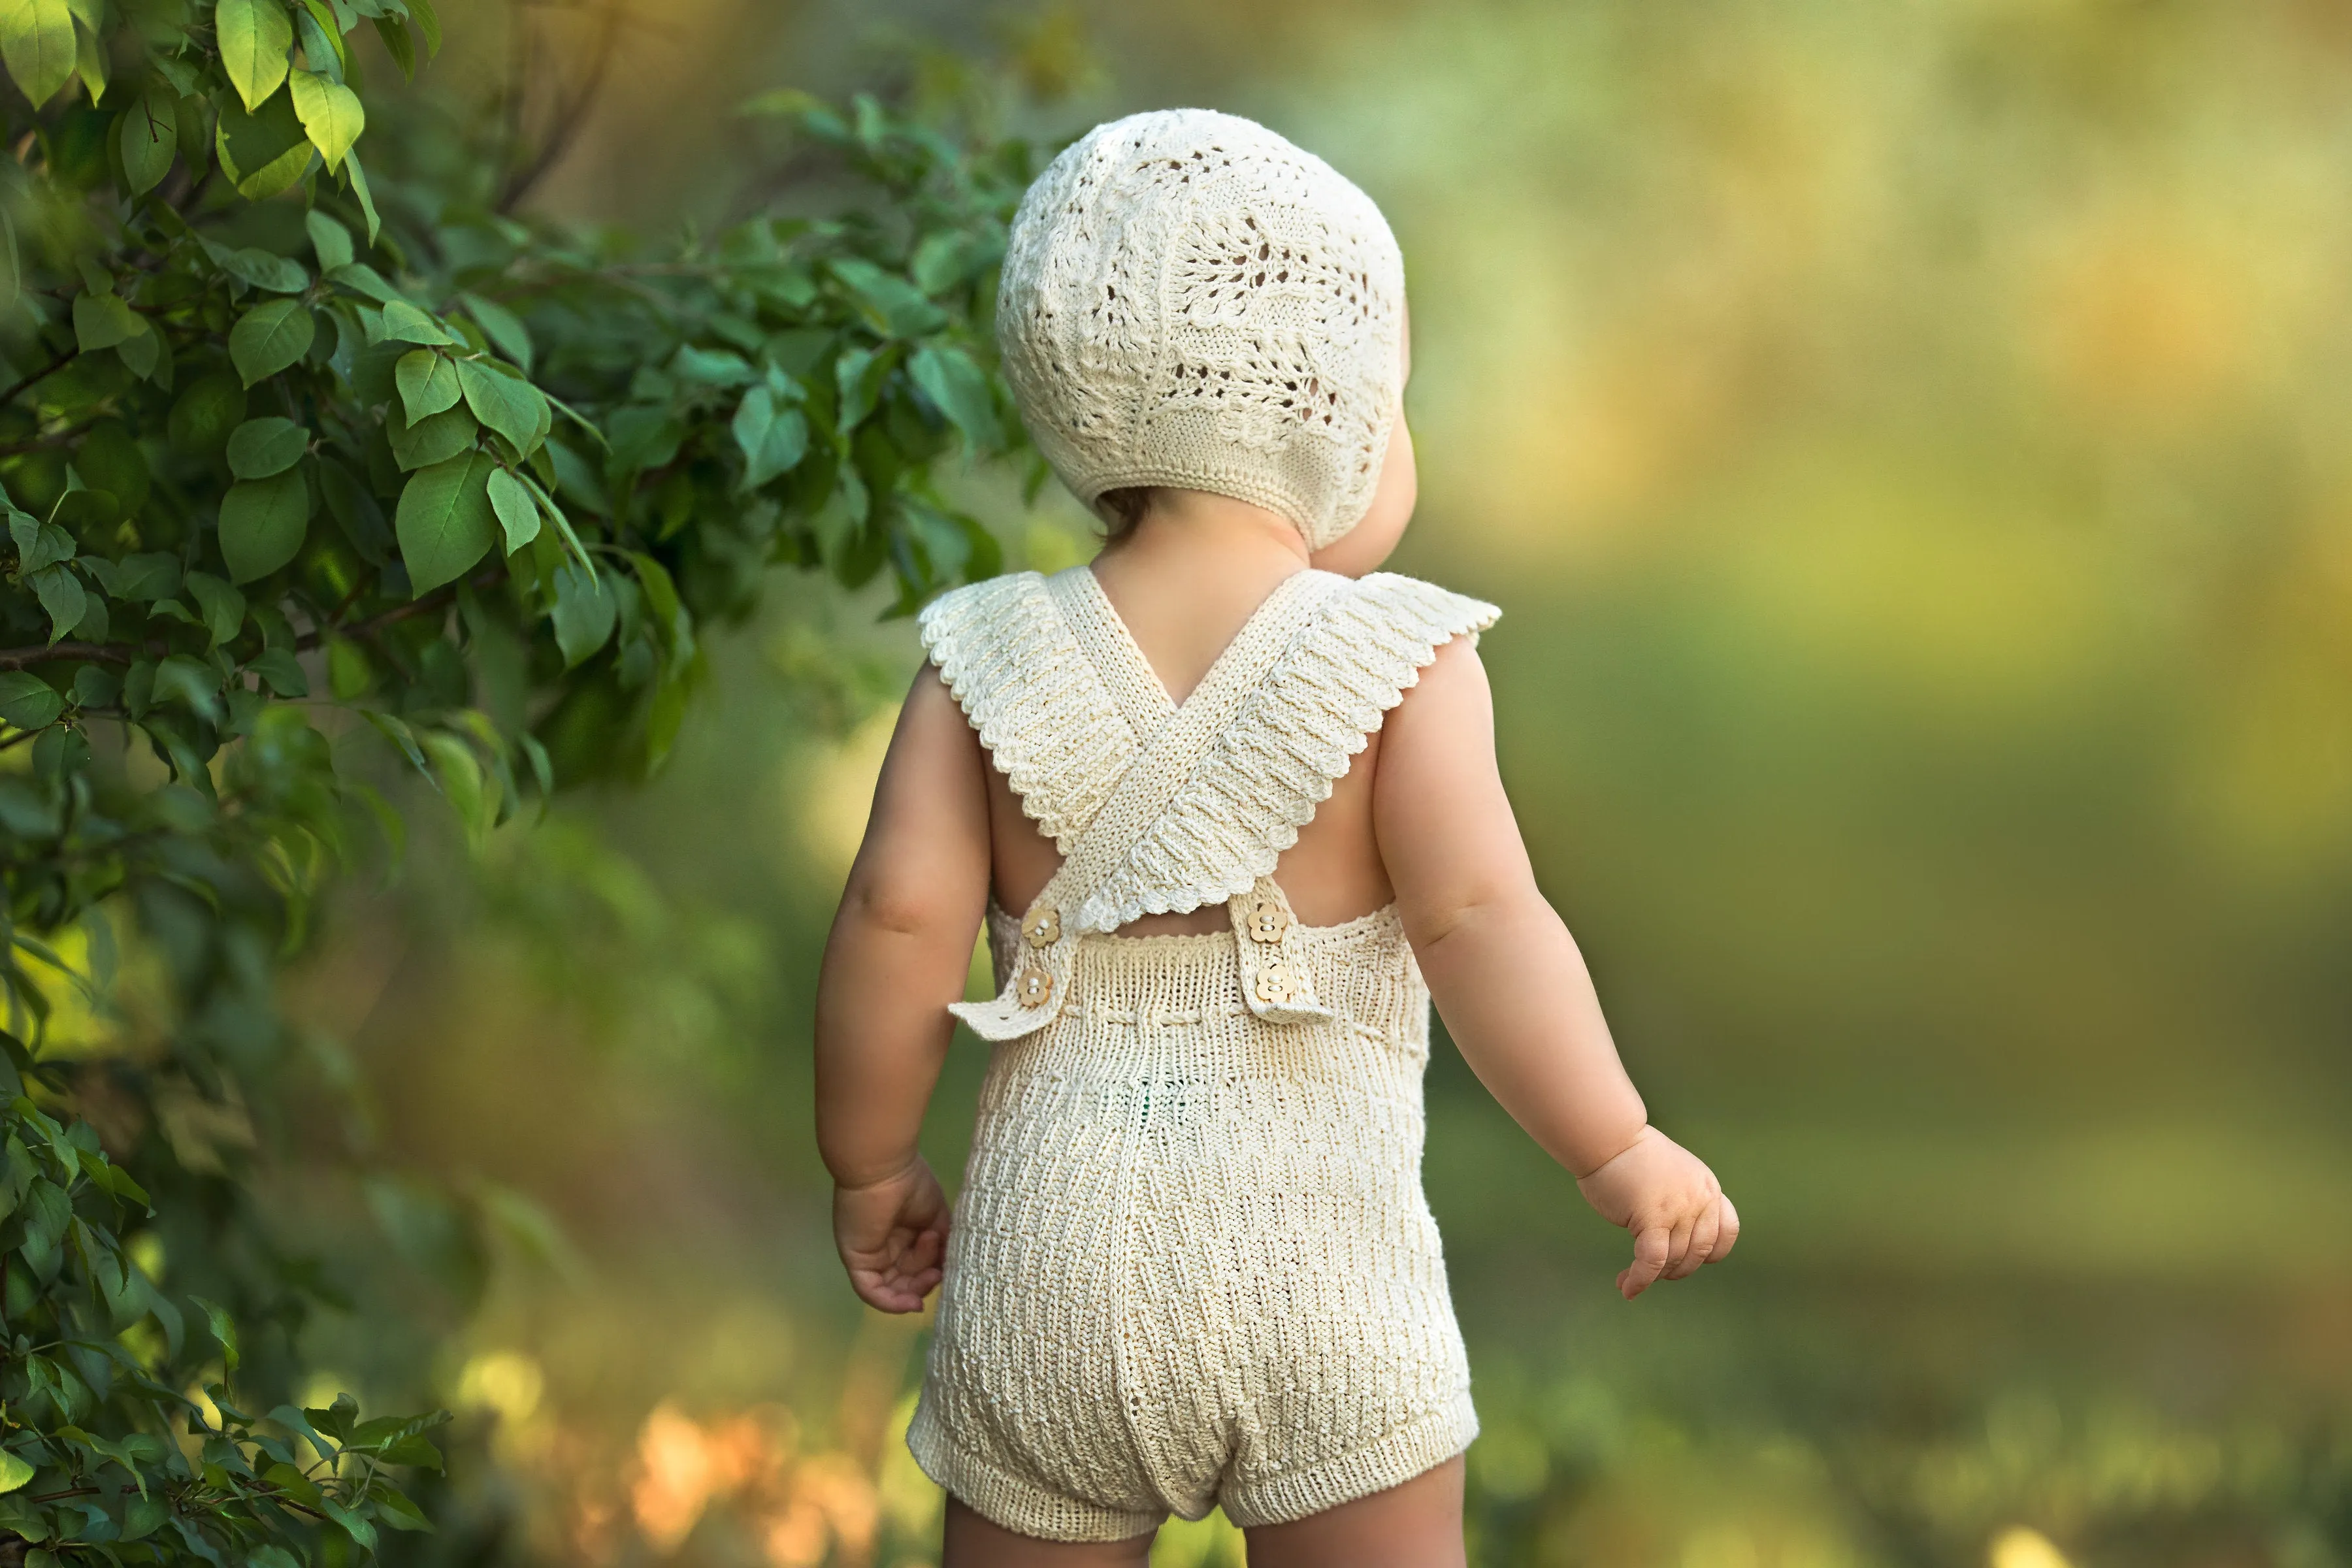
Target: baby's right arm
<point x="899" y="952"/>
<point x="1511" y="986"/>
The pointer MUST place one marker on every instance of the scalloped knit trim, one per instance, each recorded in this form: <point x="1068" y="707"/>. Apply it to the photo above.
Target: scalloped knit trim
<point x="1279" y="759"/>
<point x="1047" y="716"/>
<point x="1044" y="713"/>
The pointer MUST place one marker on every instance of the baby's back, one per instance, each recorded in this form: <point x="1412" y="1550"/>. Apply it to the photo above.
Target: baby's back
<point x="1171" y="627"/>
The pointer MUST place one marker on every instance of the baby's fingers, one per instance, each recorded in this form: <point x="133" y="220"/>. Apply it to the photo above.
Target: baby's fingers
<point x="1701" y="1247"/>
<point x="1651" y="1249"/>
<point x="1729" y="1231"/>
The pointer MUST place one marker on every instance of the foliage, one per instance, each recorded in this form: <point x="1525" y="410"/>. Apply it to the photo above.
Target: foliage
<point x="307" y="477"/>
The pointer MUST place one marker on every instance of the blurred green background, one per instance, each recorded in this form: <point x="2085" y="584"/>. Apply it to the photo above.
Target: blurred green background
<point x="1909" y="441"/>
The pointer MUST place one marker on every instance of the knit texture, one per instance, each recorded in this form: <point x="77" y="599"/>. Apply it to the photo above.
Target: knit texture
<point x="1192" y="1263"/>
<point x="1190" y="300"/>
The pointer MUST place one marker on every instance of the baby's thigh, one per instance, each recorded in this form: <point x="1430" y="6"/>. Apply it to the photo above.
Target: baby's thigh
<point x="1415" y="1525"/>
<point x="974" y="1542"/>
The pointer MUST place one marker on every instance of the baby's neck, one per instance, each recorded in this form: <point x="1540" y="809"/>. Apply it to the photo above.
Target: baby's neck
<point x="1187" y="576"/>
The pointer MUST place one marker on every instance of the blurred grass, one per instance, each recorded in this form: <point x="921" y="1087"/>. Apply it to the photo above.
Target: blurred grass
<point x="1908" y="442"/>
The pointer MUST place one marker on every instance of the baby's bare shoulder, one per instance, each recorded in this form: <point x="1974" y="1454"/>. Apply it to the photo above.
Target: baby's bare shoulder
<point x="1452" y="690"/>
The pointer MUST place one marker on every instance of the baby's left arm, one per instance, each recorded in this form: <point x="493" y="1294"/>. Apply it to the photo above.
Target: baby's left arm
<point x="898" y="954"/>
<point x="1511" y="986"/>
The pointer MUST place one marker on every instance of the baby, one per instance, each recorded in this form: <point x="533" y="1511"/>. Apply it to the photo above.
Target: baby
<point x="1226" y="801"/>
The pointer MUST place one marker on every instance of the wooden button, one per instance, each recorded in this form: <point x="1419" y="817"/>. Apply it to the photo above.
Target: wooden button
<point x="1033" y="986"/>
<point x="1272" y="984"/>
<point x="1267" y="921"/>
<point x="1044" y="928"/>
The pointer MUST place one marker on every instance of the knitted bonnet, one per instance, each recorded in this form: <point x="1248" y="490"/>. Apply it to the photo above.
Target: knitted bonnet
<point x="1190" y="300"/>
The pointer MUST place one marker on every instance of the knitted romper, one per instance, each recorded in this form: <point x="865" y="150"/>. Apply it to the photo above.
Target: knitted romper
<point x="1192" y="1263"/>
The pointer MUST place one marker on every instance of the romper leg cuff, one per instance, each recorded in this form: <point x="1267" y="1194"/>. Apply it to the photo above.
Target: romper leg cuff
<point x="1420" y="1444"/>
<point x="1020" y="1504"/>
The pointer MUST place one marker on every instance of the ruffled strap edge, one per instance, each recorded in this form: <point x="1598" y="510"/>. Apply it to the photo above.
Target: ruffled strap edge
<point x="1040" y="710"/>
<point x="1279" y="760"/>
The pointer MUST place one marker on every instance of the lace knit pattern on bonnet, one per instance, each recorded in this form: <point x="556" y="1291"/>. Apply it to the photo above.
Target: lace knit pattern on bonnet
<point x="1190" y="300"/>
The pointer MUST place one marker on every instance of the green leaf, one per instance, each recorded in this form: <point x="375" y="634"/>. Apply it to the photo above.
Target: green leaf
<point x="361" y="279"/>
<point x="262" y="269"/>
<point x="322" y="39"/>
<point x="858" y="375"/>
<point x="773" y="441"/>
<point x="38" y="543"/>
<point x="501" y="326"/>
<point x="270" y="337"/>
<point x="102" y="321"/>
<point x="143" y="1516"/>
<point x="269" y="445"/>
<point x="206" y="413"/>
<point x="223" y="606"/>
<point x="37" y="39"/>
<point x="223" y="1328"/>
<point x="143" y="351"/>
<point x="262" y="523"/>
<point x="110" y="460"/>
<point x="362" y="1533"/>
<point x="262" y="152"/>
<point x="444" y="521"/>
<point x="393" y="1505"/>
<point x="29" y="702"/>
<point x="147" y="135"/>
<point x="896" y="307"/>
<point x="282" y="670"/>
<point x="14" y="1471"/>
<point x="518" y="512"/>
<point x="584" y="612"/>
<point x="410" y="325"/>
<point x="297" y="1421"/>
<point x="148" y="577"/>
<point x="331" y="115"/>
<point x="427" y="383"/>
<point x="357" y="177"/>
<point x="195" y="682"/>
<point x="428" y="25"/>
<point x="397" y="44"/>
<point x="330" y="242"/>
<point x="432" y="439"/>
<point x="507" y="405"/>
<point x="950" y="379"/>
<point x="62" y="595"/>
<point x="254" y="37"/>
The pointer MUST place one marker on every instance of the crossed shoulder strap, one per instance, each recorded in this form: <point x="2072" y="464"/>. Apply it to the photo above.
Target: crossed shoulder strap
<point x="1160" y="807"/>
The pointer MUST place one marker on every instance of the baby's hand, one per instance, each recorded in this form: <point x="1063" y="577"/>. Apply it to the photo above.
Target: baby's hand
<point x="892" y="1236"/>
<point x="1672" y="1203"/>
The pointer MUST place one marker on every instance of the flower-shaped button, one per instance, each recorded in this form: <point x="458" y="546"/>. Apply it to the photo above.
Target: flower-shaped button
<point x="1267" y="921"/>
<point x="1033" y="986"/>
<point x="1273" y="983"/>
<point x="1043" y="929"/>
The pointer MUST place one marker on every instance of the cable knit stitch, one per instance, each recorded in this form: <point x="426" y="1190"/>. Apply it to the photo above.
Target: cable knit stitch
<point x="1192" y="1263"/>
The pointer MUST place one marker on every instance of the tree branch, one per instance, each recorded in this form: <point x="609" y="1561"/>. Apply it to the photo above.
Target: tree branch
<point x="569" y="116"/>
<point x="95" y="652"/>
<point x="39" y="375"/>
<point x="440" y="598"/>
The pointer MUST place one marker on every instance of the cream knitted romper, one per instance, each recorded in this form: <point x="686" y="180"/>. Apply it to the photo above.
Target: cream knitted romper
<point x="1191" y="1263"/>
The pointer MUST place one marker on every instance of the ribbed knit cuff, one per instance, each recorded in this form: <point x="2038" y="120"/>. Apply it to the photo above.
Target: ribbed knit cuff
<point x="1020" y="1506"/>
<point x="1420" y="1444"/>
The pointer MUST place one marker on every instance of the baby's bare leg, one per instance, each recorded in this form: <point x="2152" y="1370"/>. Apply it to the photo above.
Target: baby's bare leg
<point x="1415" y="1525"/>
<point x="976" y="1542"/>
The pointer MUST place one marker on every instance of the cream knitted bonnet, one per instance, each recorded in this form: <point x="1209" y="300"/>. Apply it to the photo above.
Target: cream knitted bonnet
<point x="1190" y="300"/>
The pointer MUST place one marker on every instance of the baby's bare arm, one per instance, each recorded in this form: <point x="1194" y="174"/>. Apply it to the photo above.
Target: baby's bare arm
<point x="1508" y="980"/>
<point x="900" y="949"/>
